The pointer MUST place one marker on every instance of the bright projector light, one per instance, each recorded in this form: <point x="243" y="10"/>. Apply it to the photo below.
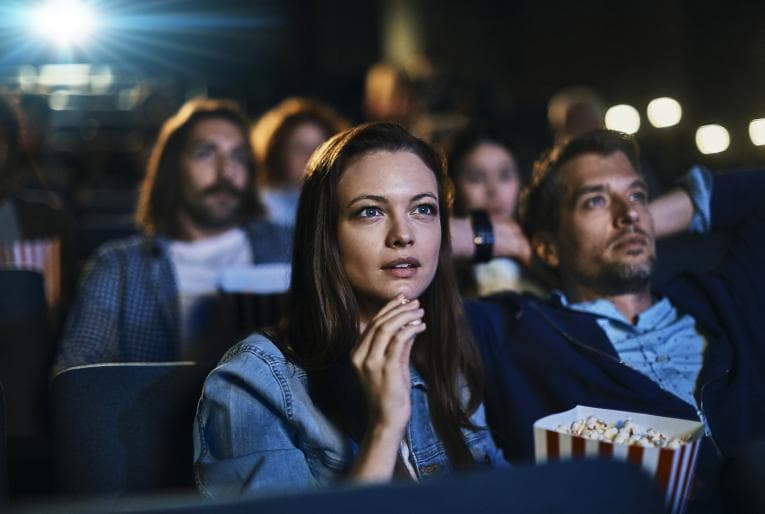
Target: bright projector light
<point x="65" y="22"/>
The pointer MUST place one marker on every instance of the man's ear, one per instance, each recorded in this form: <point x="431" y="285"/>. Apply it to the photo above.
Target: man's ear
<point x="545" y="249"/>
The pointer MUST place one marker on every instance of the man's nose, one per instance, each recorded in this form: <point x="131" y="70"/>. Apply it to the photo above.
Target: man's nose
<point x="625" y="213"/>
<point x="224" y="166"/>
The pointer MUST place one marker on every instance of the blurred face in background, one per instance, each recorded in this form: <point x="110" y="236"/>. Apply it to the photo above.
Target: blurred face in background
<point x="389" y="230"/>
<point x="214" y="173"/>
<point x="298" y="147"/>
<point x="489" y="179"/>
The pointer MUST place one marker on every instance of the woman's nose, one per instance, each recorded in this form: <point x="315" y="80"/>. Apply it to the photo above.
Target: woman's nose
<point x="400" y="234"/>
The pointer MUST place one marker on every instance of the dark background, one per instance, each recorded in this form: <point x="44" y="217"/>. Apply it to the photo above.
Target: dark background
<point x="498" y="61"/>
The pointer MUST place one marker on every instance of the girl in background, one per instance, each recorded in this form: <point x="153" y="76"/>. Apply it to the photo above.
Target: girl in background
<point x="487" y="179"/>
<point x="283" y="140"/>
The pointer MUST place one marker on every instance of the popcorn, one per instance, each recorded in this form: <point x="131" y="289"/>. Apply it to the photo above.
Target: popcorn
<point x="620" y="432"/>
<point x="666" y="451"/>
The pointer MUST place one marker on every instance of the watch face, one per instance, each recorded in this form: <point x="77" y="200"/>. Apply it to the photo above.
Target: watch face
<point x="483" y="236"/>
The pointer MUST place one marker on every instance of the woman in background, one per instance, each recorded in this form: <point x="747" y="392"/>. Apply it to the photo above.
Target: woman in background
<point x="283" y="140"/>
<point x="373" y="374"/>
<point x="487" y="180"/>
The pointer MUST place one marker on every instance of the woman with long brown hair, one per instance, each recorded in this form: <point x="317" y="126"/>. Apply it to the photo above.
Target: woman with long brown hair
<point x="283" y="140"/>
<point x="373" y="373"/>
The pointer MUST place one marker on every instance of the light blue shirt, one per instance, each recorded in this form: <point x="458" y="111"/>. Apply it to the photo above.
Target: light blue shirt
<point x="663" y="345"/>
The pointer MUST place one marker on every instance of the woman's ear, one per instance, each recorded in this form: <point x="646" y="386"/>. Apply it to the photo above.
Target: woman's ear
<point x="545" y="249"/>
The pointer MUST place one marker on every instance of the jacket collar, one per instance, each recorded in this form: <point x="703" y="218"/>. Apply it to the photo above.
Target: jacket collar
<point x="416" y="378"/>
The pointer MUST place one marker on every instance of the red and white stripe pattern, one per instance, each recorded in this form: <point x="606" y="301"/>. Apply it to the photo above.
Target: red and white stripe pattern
<point x="42" y="255"/>
<point x="673" y="469"/>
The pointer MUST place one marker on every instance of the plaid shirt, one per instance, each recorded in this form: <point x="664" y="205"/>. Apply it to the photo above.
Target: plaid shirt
<point x="127" y="308"/>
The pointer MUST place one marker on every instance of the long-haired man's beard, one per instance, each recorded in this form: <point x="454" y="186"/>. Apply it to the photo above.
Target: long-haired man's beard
<point x="218" y="214"/>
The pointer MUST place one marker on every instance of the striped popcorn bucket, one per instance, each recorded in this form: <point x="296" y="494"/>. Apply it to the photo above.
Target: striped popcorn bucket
<point x="673" y="469"/>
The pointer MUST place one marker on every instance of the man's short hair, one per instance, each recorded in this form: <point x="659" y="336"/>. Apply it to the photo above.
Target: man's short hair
<point x="160" y="194"/>
<point x="541" y="198"/>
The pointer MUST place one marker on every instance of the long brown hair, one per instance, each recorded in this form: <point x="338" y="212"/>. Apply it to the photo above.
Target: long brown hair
<point x="323" y="323"/>
<point x="270" y="133"/>
<point x="160" y="195"/>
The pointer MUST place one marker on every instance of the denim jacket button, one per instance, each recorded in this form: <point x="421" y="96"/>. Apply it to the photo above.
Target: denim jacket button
<point x="428" y="469"/>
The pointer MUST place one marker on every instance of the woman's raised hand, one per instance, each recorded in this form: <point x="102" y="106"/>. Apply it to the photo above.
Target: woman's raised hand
<point x="381" y="361"/>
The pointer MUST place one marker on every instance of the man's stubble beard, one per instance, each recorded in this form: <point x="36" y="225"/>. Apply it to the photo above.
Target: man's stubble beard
<point x="205" y="217"/>
<point x="617" y="278"/>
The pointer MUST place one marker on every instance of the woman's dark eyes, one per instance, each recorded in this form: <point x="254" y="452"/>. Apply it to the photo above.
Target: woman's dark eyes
<point x="474" y="177"/>
<point x="426" y="209"/>
<point x="420" y="210"/>
<point x="507" y="175"/>
<point x="368" y="212"/>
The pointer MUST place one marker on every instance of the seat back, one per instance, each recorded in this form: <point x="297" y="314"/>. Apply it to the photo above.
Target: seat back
<point x="593" y="486"/>
<point x="124" y="428"/>
<point x="26" y="351"/>
<point x="254" y="297"/>
<point x="3" y="449"/>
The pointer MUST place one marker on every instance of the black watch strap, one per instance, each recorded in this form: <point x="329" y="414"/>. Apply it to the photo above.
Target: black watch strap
<point x="483" y="236"/>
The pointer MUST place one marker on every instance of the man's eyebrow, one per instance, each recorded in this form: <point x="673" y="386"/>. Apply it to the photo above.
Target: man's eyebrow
<point x="599" y="188"/>
<point x="585" y="190"/>
<point x="639" y="183"/>
<point x="200" y="141"/>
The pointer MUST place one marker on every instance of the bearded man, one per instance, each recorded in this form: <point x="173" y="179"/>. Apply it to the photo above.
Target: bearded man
<point x="153" y="296"/>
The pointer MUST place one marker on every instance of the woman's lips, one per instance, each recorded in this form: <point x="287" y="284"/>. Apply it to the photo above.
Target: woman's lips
<point x="405" y="267"/>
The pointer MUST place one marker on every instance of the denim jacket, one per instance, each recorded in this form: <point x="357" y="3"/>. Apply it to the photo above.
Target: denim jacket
<point x="257" y="429"/>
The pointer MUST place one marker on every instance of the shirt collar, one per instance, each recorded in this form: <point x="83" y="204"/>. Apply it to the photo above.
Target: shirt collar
<point x="656" y="315"/>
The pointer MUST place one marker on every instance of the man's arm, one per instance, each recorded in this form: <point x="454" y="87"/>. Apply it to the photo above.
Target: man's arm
<point x="685" y="208"/>
<point x="672" y="213"/>
<point x="91" y="330"/>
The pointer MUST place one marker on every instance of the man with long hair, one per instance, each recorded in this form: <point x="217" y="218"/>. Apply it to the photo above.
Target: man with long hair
<point x="151" y="297"/>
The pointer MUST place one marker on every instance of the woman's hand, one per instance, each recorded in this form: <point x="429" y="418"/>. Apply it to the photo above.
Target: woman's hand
<point x="381" y="361"/>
